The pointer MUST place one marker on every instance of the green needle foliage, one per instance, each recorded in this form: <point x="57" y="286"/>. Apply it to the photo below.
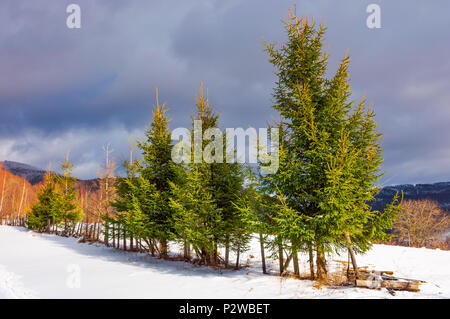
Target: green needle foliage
<point x="329" y="165"/>
<point x="157" y="169"/>
<point x="44" y="211"/>
<point x="143" y="198"/>
<point x="197" y="219"/>
<point x="67" y="184"/>
<point x="331" y="150"/>
<point x="57" y="202"/>
<point x="206" y="216"/>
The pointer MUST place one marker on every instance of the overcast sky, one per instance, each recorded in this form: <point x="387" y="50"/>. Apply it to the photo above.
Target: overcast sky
<point x="78" y="89"/>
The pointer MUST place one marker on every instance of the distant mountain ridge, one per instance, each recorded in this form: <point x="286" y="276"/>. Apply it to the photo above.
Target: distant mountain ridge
<point x="36" y="175"/>
<point x="437" y="191"/>
<point x="32" y="174"/>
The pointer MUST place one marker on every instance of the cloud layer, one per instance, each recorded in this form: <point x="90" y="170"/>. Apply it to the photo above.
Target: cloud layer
<point x="73" y="89"/>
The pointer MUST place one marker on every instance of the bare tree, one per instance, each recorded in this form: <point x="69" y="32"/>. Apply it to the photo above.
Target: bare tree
<point x="21" y="200"/>
<point x="106" y="189"/>
<point x="3" y="192"/>
<point x="421" y="222"/>
<point x="16" y="195"/>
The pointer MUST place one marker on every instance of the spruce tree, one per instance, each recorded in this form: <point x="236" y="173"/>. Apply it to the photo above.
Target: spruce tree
<point x="195" y="202"/>
<point x="197" y="219"/>
<point x="220" y="184"/>
<point x="42" y="213"/>
<point x="255" y="214"/>
<point x="331" y="159"/>
<point x="143" y="196"/>
<point x="57" y="202"/>
<point x="68" y="205"/>
<point x="224" y="180"/>
<point x="157" y="170"/>
<point x="125" y="202"/>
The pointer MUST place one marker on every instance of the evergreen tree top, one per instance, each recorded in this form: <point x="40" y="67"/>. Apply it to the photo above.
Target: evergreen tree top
<point x="204" y="110"/>
<point x="330" y="154"/>
<point x="159" y="127"/>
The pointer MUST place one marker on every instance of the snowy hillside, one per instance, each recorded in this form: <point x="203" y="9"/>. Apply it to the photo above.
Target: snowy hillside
<point x="46" y="266"/>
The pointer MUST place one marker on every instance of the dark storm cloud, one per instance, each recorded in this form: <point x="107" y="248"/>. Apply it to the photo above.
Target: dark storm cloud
<point x="78" y="89"/>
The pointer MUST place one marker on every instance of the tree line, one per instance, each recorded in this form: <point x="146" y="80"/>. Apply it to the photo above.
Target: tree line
<point x="329" y="164"/>
<point x="16" y="197"/>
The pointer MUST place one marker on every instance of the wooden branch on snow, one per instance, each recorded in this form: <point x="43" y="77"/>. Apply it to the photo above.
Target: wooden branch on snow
<point x="389" y="284"/>
<point x="376" y="279"/>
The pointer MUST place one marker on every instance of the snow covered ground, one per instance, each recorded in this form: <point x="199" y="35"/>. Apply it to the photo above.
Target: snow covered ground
<point x="46" y="266"/>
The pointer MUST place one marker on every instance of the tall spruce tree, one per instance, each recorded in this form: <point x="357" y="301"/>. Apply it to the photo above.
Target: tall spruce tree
<point x="125" y="202"/>
<point x="57" y="202"/>
<point x="67" y="184"/>
<point x="225" y="181"/>
<point x="332" y="155"/>
<point x="211" y="188"/>
<point x="157" y="169"/>
<point x="42" y="213"/>
<point x="199" y="218"/>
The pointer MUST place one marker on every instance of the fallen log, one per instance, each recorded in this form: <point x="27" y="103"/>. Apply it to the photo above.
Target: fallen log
<point x="378" y="272"/>
<point x="389" y="284"/>
<point x="376" y="279"/>
<point x="364" y="273"/>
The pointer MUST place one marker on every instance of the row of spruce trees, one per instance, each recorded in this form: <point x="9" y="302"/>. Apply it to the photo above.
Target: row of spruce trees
<point x="57" y="202"/>
<point x="330" y="157"/>
<point x="194" y="204"/>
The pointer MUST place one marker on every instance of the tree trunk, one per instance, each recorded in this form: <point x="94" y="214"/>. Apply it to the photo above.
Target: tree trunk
<point x="212" y="258"/>
<point x="352" y="254"/>
<point x="118" y="233"/>
<point x="21" y="199"/>
<point x="91" y="230"/>
<point x="215" y="253"/>
<point x="3" y="193"/>
<point x="163" y="248"/>
<point x="74" y="225"/>
<point x="321" y="262"/>
<point x="99" y="224"/>
<point x="185" y="249"/>
<point x="152" y="247"/>
<point x="286" y="264"/>
<point x="295" y="256"/>
<point x="280" y="255"/>
<point x="227" y="250"/>
<point x="106" y="235"/>
<point x="54" y="225"/>
<point x="238" y="255"/>
<point x="187" y="254"/>
<point x="114" y="235"/>
<point x="263" y="256"/>
<point x="80" y="224"/>
<point x="124" y="238"/>
<point x="311" y="261"/>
